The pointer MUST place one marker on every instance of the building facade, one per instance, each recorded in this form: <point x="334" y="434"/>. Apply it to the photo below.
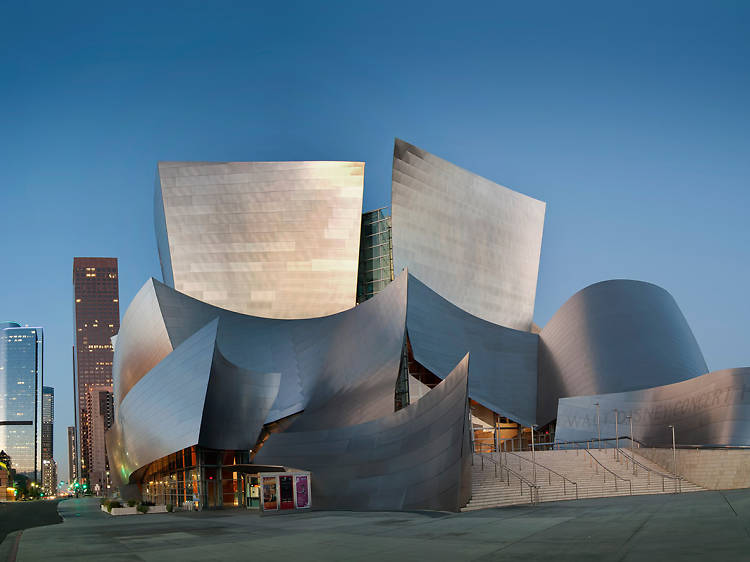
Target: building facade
<point x="375" y="254"/>
<point x="101" y="410"/>
<point x="21" y="379"/>
<point x="218" y="377"/>
<point x="97" y="319"/>
<point x="49" y="468"/>
<point x="72" y="454"/>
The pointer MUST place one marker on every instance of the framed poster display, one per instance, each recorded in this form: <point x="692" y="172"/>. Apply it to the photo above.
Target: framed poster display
<point x="270" y="493"/>
<point x="302" y="490"/>
<point x="286" y="491"/>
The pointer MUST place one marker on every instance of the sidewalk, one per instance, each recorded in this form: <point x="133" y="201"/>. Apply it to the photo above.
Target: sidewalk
<point x="696" y="526"/>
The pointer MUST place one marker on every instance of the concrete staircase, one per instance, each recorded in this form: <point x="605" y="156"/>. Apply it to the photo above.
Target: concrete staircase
<point x="493" y="487"/>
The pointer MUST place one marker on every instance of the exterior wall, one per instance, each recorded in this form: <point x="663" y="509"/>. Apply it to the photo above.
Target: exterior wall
<point x="99" y="411"/>
<point x="375" y="254"/>
<point x="72" y="454"/>
<point x="97" y="319"/>
<point x="270" y="239"/>
<point x="503" y="361"/>
<point x="713" y="409"/>
<point x="49" y="477"/>
<point x="416" y="458"/>
<point x="474" y="242"/>
<point x="614" y="336"/>
<point x="21" y="376"/>
<point x="713" y="469"/>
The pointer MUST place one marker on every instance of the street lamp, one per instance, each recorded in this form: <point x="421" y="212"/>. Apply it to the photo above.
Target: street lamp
<point x="598" y="430"/>
<point x="674" y="451"/>
<point x="533" y="457"/>
<point x="632" y="457"/>
<point x="617" y="437"/>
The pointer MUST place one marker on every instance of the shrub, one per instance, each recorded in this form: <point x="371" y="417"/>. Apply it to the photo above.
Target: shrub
<point x="142" y="508"/>
<point x="170" y="507"/>
<point x="131" y="503"/>
<point x="148" y="503"/>
<point x="113" y="504"/>
<point x="104" y="502"/>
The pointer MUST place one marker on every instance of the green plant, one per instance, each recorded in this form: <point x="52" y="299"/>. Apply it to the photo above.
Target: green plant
<point x="131" y="503"/>
<point x="104" y="501"/>
<point x="113" y="504"/>
<point x="170" y="507"/>
<point x="142" y="508"/>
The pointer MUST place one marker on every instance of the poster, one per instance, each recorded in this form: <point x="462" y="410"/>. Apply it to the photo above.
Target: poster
<point x="301" y="482"/>
<point x="270" y="501"/>
<point x="286" y="491"/>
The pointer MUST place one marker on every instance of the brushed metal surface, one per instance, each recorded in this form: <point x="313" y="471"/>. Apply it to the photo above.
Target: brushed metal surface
<point x="711" y="409"/>
<point x="269" y="239"/>
<point x="474" y="242"/>
<point x="614" y="336"/>
<point x="503" y="361"/>
<point x="416" y="458"/>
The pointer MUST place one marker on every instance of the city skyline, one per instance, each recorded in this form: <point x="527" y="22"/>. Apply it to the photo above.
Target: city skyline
<point x="638" y="152"/>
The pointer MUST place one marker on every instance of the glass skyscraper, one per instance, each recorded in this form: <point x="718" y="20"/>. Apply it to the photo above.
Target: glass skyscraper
<point x="375" y="254"/>
<point x="21" y="375"/>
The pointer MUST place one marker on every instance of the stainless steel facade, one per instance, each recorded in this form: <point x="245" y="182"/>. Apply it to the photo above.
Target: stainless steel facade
<point x="712" y="409"/>
<point x="270" y="239"/>
<point x="474" y="242"/>
<point x="503" y="361"/>
<point x="614" y="336"/>
<point x="416" y="458"/>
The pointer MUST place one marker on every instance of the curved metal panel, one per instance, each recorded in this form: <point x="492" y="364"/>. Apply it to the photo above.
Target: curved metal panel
<point x="163" y="411"/>
<point x="614" y="336"/>
<point x="416" y="458"/>
<point x="503" y="361"/>
<point x="472" y="241"/>
<point x="711" y="409"/>
<point x="271" y="239"/>
<point x="141" y="342"/>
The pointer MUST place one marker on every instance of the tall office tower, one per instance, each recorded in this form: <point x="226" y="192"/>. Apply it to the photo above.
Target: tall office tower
<point x="21" y="376"/>
<point x="49" y="470"/>
<point x="375" y="254"/>
<point x="97" y="319"/>
<point x="100" y="410"/>
<point x="72" y="454"/>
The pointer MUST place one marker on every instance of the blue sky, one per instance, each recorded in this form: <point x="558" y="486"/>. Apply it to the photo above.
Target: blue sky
<point x="629" y="119"/>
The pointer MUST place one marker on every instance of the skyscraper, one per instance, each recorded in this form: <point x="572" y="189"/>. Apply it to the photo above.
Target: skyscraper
<point x="49" y="470"/>
<point x="100" y="409"/>
<point x="21" y="376"/>
<point x="72" y="454"/>
<point x="97" y="319"/>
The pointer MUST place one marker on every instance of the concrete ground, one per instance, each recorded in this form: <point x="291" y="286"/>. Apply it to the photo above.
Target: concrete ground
<point x="697" y="526"/>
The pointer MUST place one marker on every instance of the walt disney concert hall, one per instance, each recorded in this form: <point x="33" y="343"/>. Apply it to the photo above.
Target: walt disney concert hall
<point x="299" y="352"/>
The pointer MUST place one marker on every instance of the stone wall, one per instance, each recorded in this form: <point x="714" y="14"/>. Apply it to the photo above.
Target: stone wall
<point x="713" y="469"/>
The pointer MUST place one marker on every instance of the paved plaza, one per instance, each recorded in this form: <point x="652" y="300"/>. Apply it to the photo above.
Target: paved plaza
<point x="696" y="526"/>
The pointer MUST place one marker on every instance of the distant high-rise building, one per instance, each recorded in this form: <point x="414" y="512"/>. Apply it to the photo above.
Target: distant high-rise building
<point x="375" y="254"/>
<point x="21" y="377"/>
<point x="100" y="410"/>
<point x="97" y="319"/>
<point x="72" y="454"/>
<point x="49" y="469"/>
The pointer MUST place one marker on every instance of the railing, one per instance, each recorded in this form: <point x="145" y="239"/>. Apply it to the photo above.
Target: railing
<point x="616" y="476"/>
<point x="550" y="472"/>
<point x="533" y="488"/>
<point x="677" y="478"/>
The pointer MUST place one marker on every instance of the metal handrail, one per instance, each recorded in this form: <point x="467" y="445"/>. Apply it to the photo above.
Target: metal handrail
<point x="630" y="484"/>
<point x="651" y="445"/>
<point x="533" y="488"/>
<point x="676" y="477"/>
<point x="549" y="471"/>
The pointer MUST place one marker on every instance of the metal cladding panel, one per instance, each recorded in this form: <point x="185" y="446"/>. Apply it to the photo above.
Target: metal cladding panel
<point x="416" y="458"/>
<point x="353" y="353"/>
<point x="237" y="403"/>
<point x="614" y="336"/>
<point x="712" y="409"/>
<point x="472" y="241"/>
<point x="503" y="361"/>
<point x="163" y="411"/>
<point x="270" y="239"/>
<point x="141" y="342"/>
